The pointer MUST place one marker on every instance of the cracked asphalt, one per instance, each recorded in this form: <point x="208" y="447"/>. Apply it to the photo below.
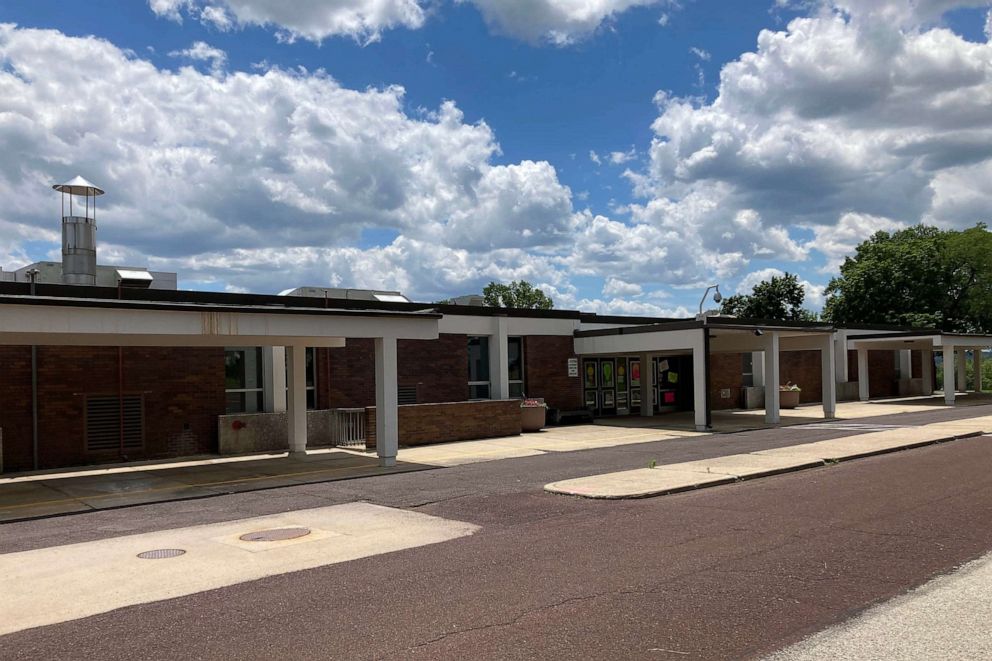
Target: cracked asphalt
<point x="736" y="571"/>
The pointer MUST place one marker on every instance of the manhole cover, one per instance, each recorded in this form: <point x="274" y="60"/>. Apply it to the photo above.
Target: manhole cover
<point x="160" y="554"/>
<point x="274" y="535"/>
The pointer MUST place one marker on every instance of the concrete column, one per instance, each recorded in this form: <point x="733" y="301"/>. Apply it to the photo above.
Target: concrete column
<point x="961" y="369"/>
<point x="296" y="413"/>
<point x="840" y="357"/>
<point x="863" y="391"/>
<point x="926" y="362"/>
<point x="948" y="356"/>
<point x="274" y="370"/>
<point x="700" y="397"/>
<point x="499" y="368"/>
<point x="772" y="411"/>
<point x="646" y="408"/>
<point x="758" y="368"/>
<point x="386" y="405"/>
<point x="828" y="379"/>
<point x="977" y="362"/>
<point x="905" y="364"/>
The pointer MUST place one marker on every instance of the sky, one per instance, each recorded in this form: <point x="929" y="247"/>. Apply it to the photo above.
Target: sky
<point x="620" y="154"/>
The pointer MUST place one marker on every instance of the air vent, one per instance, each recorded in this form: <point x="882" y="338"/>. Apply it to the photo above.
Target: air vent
<point x="103" y="423"/>
<point x="407" y="395"/>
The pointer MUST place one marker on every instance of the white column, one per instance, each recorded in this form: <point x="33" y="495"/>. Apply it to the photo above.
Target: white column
<point x="977" y="361"/>
<point x="948" y="356"/>
<point x="499" y="368"/>
<point x="840" y="357"/>
<point x="296" y="413"/>
<point x="926" y="363"/>
<point x="274" y="359"/>
<point x="646" y="408"/>
<point x="905" y="364"/>
<point x="863" y="391"/>
<point x="961" y="369"/>
<point x="828" y="380"/>
<point x="386" y="406"/>
<point x="772" y="413"/>
<point x="758" y="368"/>
<point x="699" y="400"/>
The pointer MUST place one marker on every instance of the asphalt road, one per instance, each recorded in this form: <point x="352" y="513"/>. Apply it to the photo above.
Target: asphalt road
<point x="730" y="572"/>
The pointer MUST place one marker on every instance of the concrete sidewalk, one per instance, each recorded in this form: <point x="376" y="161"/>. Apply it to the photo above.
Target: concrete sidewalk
<point x="684" y="476"/>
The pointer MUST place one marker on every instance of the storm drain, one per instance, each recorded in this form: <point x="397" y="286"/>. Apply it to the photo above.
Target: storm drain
<point x="275" y="535"/>
<point x="161" y="554"/>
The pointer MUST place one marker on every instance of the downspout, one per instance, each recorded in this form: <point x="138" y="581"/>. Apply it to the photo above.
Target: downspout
<point x="33" y="274"/>
<point x="706" y="367"/>
<point x="120" y="389"/>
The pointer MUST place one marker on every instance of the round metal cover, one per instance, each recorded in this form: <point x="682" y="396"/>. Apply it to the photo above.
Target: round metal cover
<point x="275" y="535"/>
<point x="161" y="554"/>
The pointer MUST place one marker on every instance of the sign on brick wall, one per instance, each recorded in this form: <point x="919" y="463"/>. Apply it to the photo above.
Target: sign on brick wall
<point x="573" y="367"/>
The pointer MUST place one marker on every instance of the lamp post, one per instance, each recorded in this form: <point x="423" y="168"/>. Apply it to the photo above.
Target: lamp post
<point x="717" y="297"/>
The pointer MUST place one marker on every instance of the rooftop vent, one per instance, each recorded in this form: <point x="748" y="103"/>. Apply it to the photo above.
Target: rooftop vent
<point x="78" y="231"/>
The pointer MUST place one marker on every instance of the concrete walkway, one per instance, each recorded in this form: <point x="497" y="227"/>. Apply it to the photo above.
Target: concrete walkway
<point x="673" y="478"/>
<point x="49" y="494"/>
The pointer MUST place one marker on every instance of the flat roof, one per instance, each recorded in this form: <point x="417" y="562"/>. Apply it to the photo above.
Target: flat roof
<point x="723" y="323"/>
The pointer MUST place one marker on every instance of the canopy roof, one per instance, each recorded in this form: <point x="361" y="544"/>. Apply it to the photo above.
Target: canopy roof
<point x="79" y="186"/>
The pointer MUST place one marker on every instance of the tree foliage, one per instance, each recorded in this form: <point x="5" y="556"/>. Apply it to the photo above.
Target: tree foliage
<point x="781" y="298"/>
<point x="921" y="276"/>
<point x="517" y="294"/>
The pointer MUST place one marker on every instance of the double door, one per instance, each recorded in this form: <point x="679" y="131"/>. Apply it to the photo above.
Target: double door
<point x="618" y="385"/>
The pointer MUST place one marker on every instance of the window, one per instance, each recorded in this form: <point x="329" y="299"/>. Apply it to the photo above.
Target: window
<point x="311" y="360"/>
<point x="747" y="369"/>
<point x="243" y="380"/>
<point x="478" y="367"/>
<point x="515" y="365"/>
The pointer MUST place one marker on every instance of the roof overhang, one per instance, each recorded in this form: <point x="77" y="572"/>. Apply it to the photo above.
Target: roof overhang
<point x="915" y="340"/>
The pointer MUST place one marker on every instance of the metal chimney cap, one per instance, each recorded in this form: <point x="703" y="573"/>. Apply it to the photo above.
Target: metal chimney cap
<point x="79" y="186"/>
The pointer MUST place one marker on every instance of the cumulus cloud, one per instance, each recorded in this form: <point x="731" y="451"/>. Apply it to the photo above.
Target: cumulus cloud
<point x="203" y="52"/>
<point x="615" y="287"/>
<point x="557" y="22"/>
<point x="842" y="122"/>
<point x="243" y="168"/>
<point x="314" y="20"/>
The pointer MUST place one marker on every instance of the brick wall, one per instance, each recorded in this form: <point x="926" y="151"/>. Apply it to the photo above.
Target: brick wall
<point x="546" y="371"/>
<point x="799" y="367"/>
<point x="726" y="373"/>
<point x="882" y="371"/>
<point x="183" y="391"/>
<point x="802" y="368"/>
<point x="423" y="424"/>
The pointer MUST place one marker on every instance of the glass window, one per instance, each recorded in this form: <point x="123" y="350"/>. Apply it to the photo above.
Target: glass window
<point x="747" y="369"/>
<point x="243" y="379"/>
<point x="478" y="367"/>
<point x="515" y="366"/>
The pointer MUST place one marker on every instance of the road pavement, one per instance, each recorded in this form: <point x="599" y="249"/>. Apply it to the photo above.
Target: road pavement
<point x="735" y="571"/>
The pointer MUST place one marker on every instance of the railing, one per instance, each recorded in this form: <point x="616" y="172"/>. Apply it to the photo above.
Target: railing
<point x="348" y="427"/>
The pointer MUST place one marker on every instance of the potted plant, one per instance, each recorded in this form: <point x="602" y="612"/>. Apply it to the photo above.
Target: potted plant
<point x="532" y="414"/>
<point x="788" y="396"/>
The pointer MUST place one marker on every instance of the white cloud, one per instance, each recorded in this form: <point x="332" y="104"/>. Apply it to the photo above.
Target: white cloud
<point x="202" y="52"/>
<point x="218" y="176"/>
<point x="614" y="287"/>
<point x="839" y="241"/>
<point x="621" y="157"/>
<point x="314" y="20"/>
<point x="594" y="157"/>
<point x="701" y="53"/>
<point x="557" y="22"/>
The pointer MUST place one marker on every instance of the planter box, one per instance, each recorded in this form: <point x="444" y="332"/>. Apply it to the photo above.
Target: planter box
<point x="532" y="418"/>
<point x="788" y="399"/>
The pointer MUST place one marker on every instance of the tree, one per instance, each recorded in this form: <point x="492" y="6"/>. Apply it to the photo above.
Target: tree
<point x="779" y="298"/>
<point x="921" y="276"/>
<point x="520" y="294"/>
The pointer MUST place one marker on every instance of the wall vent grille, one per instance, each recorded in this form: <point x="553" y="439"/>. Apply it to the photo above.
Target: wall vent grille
<point x="103" y="423"/>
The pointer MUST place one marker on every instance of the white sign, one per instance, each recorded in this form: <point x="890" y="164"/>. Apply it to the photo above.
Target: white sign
<point x="573" y="367"/>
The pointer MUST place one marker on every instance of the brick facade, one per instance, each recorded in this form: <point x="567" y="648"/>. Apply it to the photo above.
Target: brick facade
<point x="726" y="374"/>
<point x="182" y="389"/>
<point x="546" y="371"/>
<point x="881" y="367"/>
<point x="423" y="424"/>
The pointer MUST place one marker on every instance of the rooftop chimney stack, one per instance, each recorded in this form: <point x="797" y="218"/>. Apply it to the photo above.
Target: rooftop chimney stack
<point x="78" y="231"/>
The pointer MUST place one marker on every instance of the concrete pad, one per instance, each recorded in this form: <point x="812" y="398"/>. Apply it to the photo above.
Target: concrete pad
<point x="61" y="583"/>
<point x="639" y="483"/>
<point x="744" y="466"/>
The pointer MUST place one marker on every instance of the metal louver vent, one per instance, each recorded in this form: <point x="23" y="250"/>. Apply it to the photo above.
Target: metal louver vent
<point x="103" y="423"/>
<point x="407" y="395"/>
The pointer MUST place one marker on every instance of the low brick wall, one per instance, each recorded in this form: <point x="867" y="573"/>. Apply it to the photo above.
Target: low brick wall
<point x="423" y="424"/>
<point x="264" y="432"/>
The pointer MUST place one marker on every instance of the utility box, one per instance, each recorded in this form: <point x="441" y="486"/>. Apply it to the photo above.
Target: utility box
<point x="753" y="397"/>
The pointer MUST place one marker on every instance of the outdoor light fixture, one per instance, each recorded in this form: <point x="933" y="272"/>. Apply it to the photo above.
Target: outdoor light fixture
<point x="717" y="296"/>
<point x="759" y="332"/>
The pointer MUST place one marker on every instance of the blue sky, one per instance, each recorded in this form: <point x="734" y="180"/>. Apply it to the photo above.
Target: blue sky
<point x="485" y="166"/>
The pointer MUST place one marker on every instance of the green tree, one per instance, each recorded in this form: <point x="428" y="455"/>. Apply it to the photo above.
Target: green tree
<point x="517" y="294"/>
<point x="921" y="276"/>
<point x="781" y="298"/>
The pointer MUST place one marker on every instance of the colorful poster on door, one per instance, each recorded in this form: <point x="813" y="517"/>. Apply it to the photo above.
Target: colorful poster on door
<point x="608" y="401"/>
<point x="591" y="400"/>
<point x="606" y="371"/>
<point x="622" y="374"/>
<point x="635" y="373"/>
<point x="590" y="373"/>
